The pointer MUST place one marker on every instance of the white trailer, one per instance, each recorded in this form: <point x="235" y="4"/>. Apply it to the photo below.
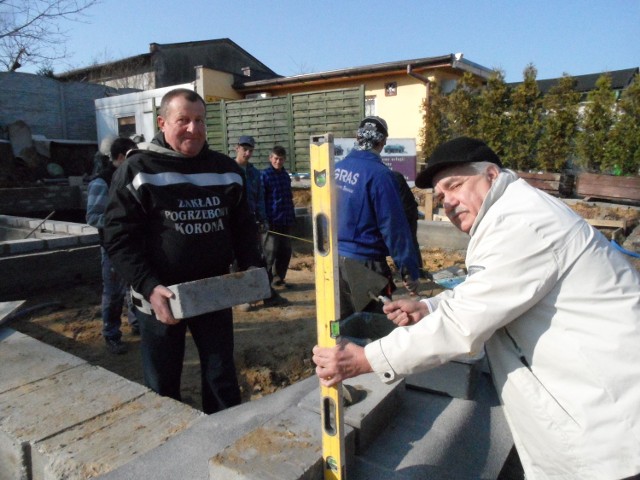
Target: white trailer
<point x="131" y="114"/>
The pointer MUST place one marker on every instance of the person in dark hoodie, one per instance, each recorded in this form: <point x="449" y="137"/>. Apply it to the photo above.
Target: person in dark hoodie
<point x="114" y="288"/>
<point x="178" y="212"/>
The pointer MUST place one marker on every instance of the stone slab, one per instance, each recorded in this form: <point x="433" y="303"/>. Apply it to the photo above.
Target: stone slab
<point x="457" y="379"/>
<point x="216" y="293"/>
<point x="26" y="360"/>
<point x="111" y="439"/>
<point x="287" y="447"/>
<point x="375" y="404"/>
<point x="7" y="308"/>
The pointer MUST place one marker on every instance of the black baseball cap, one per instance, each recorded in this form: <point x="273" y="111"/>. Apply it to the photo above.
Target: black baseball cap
<point x="457" y="151"/>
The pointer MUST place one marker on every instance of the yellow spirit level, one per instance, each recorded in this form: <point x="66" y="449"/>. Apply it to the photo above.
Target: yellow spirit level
<point x="325" y="236"/>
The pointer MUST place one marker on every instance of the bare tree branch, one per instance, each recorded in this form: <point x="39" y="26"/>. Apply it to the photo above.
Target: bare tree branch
<point x="30" y="31"/>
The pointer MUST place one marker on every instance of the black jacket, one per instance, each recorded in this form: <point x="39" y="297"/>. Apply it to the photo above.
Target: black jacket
<point x="172" y="219"/>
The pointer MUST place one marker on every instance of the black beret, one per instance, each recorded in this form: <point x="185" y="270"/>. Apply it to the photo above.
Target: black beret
<point x="457" y="151"/>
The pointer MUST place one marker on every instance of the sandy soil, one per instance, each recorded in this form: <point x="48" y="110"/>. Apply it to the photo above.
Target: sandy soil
<point x="272" y="345"/>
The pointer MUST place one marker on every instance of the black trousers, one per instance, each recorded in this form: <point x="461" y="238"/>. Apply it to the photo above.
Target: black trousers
<point x="163" y="348"/>
<point x="277" y="251"/>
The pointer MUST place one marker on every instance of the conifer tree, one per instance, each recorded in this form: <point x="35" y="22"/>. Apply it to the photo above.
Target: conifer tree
<point x="597" y="121"/>
<point x="493" y="112"/>
<point x="559" y="125"/>
<point x="622" y="153"/>
<point x="432" y="133"/>
<point x="462" y="108"/>
<point x="525" y="123"/>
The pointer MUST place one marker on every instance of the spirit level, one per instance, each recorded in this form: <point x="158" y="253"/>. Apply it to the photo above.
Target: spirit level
<point x="325" y="238"/>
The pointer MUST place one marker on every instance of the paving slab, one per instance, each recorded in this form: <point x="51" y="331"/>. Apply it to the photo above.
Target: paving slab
<point x="375" y="404"/>
<point x="287" y="447"/>
<point x="111" y="439"/>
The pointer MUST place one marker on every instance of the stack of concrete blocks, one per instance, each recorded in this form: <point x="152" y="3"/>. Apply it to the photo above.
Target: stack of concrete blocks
<point x="61" y="417"/>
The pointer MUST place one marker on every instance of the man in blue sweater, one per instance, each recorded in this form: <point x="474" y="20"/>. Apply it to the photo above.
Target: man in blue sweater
<point x="371" y="221"/>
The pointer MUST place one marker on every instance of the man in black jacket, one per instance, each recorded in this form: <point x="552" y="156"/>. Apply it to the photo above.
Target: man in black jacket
<point x="178" y="212"/>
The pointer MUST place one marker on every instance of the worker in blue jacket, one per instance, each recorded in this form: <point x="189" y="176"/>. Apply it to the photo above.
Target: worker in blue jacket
<point x="371" y="220"/>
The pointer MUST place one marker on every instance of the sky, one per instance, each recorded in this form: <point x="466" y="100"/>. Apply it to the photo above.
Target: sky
<point x="299" y="36"/>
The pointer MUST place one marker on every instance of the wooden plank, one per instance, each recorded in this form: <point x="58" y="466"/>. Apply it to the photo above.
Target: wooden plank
<point x="598" y="222"/>
<point x="608" y="186"/>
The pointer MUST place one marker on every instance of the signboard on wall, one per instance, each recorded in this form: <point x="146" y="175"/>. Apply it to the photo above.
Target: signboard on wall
<point x="398" y="154"/>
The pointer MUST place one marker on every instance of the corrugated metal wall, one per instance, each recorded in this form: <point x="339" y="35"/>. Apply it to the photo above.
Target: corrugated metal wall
<point x="57" y="110"/>
<point x="288" y="121"/>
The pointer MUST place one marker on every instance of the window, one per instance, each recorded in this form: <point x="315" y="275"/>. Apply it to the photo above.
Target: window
<point x="127" y="126"/>
<point x="369" y="106"/>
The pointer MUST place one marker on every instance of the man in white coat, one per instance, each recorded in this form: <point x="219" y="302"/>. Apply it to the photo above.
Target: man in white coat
<point x="555" y="307"/>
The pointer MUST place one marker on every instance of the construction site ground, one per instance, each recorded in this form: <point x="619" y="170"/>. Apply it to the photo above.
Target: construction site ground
<point x="272" y="345"/>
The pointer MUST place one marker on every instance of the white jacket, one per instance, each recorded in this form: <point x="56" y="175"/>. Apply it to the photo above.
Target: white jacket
<point x="558" y="310"/>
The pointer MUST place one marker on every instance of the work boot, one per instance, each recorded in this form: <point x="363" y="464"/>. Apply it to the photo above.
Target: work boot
<point x="116" y="346"/>
<point x="278" y="282"/>
<point x="275" y="300"/>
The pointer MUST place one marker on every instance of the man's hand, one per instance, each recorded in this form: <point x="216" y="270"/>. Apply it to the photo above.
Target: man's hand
<point x="405" y="312"/>
<point x="159" y="300"/>
<point x="338" y="363"/>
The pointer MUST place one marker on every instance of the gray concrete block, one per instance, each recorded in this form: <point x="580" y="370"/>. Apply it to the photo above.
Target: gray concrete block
<point x="111" y="439"/>
<point x="457" y="379"/>
<point x="26" y="360"/>
<point x="441" y="235"/>
<point x="25" y="246"/>
<point x="14" y="458"/>
<point x="375" y="404"/>
<point x="37" y="410"/>
<point x="69" y="397"/>
<point x="61" y="242"/>
<point x="216" y="293"/>
<point x="287" y="447"/>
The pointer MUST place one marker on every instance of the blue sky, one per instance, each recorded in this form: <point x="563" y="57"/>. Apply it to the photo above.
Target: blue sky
<point x="300" y="36"/>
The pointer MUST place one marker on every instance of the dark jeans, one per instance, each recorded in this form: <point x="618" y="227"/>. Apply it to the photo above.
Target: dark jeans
<point x="163" y="348"/>
<point x="277" y="251"/>
<point x="114" y="293"/>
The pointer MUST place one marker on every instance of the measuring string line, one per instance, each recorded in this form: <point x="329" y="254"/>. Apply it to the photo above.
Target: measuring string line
<point x="311" y="241"/>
